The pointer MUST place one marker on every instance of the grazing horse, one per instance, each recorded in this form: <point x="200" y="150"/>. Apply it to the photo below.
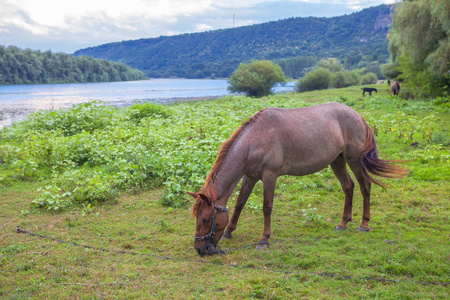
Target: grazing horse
<point x="280" y="141"/>
<point x="369" y="90"/>
<point x="395" y="88"/>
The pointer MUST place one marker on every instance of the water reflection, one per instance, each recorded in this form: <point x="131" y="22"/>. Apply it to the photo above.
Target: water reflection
<point x="18" y="101"/>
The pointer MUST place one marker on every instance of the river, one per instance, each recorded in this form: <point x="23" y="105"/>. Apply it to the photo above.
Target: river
<point x="18" y="101"/>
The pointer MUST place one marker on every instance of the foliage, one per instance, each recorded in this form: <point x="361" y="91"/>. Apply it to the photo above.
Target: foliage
<point x="318" y="79"/>
<point x="149" y="251"/>
<point x="331" y="64"/>
<point x="256" y="79"/>
<point x="368" y="78"/>
<point x="354" y="38"/>
<point x="91" y="153"/>
<point x="419" y="45"/>
<point x="141" y="111"/>
<point x="27" y="66"/>
<point x="296" y="67"/>
<point x="345" y="78"/>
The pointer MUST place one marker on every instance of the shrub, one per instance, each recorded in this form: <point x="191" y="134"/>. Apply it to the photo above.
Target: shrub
<point x="345" y="78"/>
<point x="139" y="111"/>
<point x="369" y="78"/>
<point x="84" y="117"/>
<point x="256" y="79"/>
<point x="318" y="79"/>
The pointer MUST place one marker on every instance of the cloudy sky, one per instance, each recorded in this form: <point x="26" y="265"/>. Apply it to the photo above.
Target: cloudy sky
<point x="66" y="26"/>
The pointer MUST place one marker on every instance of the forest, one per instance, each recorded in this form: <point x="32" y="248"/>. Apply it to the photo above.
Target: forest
<point x="26" y="67"/>
<point x="357" y="40"/>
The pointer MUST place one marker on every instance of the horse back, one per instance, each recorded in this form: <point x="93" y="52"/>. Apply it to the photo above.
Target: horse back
<point x="303" y="140"/>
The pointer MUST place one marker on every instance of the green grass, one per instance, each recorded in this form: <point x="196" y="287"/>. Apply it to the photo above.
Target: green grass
<point x="136" y="165"/>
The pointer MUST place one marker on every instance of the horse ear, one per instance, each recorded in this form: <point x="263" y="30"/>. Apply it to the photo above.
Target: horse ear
<point x="205" y="198"/>
<point x="195" y="195"/>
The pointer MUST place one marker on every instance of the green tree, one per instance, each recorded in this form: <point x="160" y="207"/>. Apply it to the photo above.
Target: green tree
<point x="419" y="45"/>
<point x="368" y="78"/>
<point x="319" y="79"/>
<point x="256" y="79"/>
<point x="332" y="64"/>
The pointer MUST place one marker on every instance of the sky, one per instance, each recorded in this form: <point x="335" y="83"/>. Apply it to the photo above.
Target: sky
<point x="68" y="25"/>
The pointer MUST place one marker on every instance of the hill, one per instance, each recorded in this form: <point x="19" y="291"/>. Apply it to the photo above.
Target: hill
<point x="26" y="67"/>
<point x="352" y="38"/>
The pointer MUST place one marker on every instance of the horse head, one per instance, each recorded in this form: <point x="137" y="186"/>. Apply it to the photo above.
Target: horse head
<point x="210" y="225"/>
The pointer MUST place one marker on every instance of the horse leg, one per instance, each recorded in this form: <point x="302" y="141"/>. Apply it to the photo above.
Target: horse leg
<point x="269" y="183"/>
<point x="365" y="186"/>
<point x="245" y="191"/>
<point x="340" y="171"/>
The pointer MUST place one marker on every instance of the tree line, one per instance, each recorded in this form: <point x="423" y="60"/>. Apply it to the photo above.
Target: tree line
<point x="26" y="67"/>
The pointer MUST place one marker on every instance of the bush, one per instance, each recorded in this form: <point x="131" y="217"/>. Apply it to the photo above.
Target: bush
<point x="318" y="79"/>
<point x="84" y="117"/>
<point x="345" y="78"/>
<point x="369" y="78"/>
<point x="140" y="111"/>
<point x="256" y="79"/>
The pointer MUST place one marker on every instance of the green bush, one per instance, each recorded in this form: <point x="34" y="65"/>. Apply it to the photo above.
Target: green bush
<point x="369" y="78"/>
<point x="139" y="111"/>
<point x="82" y="117"/>
<point x="345" y="78"/>
<point x="319" y="79"/>
<point x="256" y="79"/>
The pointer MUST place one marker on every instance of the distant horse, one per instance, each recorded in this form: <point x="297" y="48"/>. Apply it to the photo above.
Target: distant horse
<point x="369" y="90"/>
<point x="395" y="88"/>
<point x="279" y="141"/>
<point x="389" y="82"/>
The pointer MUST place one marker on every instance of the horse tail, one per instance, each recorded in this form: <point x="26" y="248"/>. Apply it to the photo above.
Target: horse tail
<point x="374" y="165"/>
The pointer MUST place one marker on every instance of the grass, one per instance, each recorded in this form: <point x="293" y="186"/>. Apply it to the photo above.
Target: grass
<point x="408" y="243"/>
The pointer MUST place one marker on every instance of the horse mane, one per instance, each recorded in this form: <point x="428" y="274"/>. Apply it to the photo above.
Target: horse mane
<point x="209" y="189"/>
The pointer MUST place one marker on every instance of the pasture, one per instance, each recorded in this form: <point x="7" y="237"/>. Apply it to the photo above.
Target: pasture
<point x="134" y="206"/>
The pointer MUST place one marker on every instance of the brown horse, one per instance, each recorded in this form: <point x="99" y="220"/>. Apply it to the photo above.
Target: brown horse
<point x="279" y="141"/>
<point x="395" y="88"/>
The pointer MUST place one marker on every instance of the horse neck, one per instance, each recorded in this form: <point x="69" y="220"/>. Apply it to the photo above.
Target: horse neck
<point x="224" y="180"/>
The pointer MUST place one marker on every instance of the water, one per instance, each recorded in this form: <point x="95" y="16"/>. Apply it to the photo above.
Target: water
<point x="18" y="101"/>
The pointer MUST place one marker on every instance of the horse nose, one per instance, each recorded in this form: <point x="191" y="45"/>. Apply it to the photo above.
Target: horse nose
<point x="199" y="251"/>
<point x="210" y="249"/>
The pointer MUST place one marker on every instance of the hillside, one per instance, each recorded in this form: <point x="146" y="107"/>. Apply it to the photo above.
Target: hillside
<point x="351" y="38"/>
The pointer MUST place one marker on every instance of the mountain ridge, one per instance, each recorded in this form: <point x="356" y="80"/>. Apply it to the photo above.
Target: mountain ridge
<point x="218" y="53"/>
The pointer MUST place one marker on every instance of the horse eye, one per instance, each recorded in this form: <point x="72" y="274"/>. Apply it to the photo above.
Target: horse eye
<point x="205" y="221"/>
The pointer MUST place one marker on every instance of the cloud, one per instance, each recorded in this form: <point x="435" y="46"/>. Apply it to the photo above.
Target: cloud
<point x="71" y="25"/>
<point x="203" y="27"/>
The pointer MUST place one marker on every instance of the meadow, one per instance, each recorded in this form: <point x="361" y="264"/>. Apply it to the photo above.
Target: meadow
<point x="115" y="180"/>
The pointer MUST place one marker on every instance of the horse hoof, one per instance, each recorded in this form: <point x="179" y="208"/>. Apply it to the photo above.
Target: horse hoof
<point x="262" y="246"/>
<point x="340" y="228"/>
<point x="363" y="229"/>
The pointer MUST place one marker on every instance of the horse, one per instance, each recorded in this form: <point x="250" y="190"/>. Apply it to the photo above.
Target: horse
<point x="281" y="141"/>
<point x="369" y="90"/>
<point x="395" y="88"/>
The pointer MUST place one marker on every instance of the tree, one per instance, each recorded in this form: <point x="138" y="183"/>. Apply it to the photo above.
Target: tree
<point x="319" y="79"/>
<point x="369" y="78"/>
<point x="332" y="64"/>
<point x="256" y="79"/>
<point x="419" y="45"/>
